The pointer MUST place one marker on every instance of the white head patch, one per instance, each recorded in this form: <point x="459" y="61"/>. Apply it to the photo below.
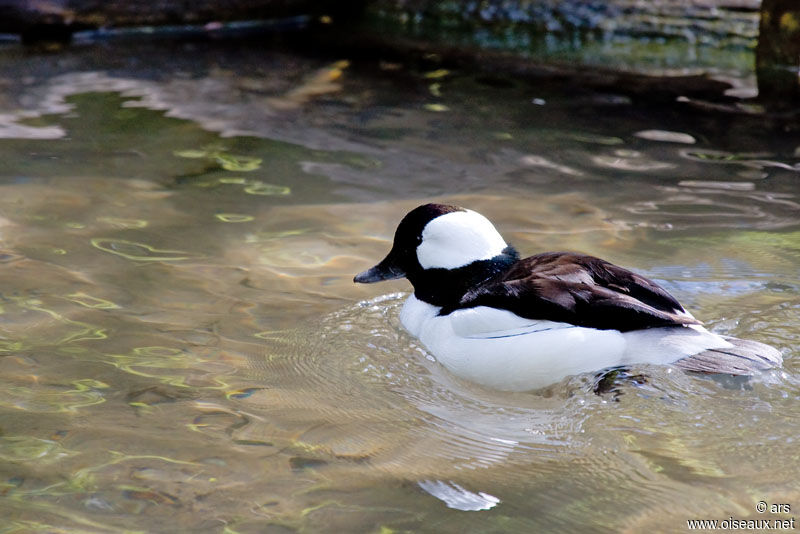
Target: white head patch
<point x="456" y="239"/>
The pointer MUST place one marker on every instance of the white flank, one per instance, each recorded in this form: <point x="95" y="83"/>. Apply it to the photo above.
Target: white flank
<point x="666" y="345"/>
<point x="456" y="239"/>
<point x="501" y="350"/>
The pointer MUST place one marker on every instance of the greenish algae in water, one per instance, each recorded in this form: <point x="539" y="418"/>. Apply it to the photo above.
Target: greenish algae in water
<point x="250" y="385"/>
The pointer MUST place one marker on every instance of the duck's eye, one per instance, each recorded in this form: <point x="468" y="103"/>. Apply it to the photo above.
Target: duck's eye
<point x="419" y="240"/>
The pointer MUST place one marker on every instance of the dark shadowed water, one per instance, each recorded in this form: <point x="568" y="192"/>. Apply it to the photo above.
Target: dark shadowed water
<point x="182" y="348"/>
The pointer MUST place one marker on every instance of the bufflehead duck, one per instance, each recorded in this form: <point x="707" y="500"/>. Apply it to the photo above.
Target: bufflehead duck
<point x="521" y="324"/>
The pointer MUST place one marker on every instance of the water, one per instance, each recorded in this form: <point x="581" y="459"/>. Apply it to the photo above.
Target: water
<point x="182" y="348"/>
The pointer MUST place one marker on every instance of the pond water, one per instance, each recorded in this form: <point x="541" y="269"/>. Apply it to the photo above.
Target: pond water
<point x="182" y="348"/>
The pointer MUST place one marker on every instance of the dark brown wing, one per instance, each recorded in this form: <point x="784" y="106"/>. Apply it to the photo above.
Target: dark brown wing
<point x="581" y="290"/>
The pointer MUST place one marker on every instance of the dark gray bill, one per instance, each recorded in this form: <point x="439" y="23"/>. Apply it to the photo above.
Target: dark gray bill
<point x="378" y="273"/>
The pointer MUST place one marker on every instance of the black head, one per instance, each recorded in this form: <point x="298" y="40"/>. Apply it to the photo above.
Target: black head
<point x="442" y="250"/>
<point x="402" y="259"/>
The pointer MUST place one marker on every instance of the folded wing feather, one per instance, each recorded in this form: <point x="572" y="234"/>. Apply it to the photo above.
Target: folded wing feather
<point x="580" y="290"/>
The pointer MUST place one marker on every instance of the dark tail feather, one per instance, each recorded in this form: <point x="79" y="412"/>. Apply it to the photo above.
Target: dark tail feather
<point x="744" y="358"/>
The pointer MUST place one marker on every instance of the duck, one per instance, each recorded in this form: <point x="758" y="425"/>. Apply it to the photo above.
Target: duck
<point x="519" y="324"/>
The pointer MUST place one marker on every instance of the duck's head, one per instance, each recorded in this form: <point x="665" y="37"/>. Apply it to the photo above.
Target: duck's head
<point x="442" y="249"/>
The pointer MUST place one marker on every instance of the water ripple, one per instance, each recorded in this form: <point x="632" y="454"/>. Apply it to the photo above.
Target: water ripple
<point x="138" y="251"/>
<point x="400" y="409"/>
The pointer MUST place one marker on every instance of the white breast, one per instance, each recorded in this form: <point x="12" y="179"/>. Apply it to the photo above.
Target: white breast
<point x="504" y="351"/>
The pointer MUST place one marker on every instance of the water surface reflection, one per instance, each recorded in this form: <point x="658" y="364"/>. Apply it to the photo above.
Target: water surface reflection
<point x="182" y="346"/>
